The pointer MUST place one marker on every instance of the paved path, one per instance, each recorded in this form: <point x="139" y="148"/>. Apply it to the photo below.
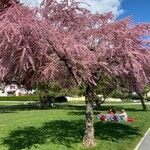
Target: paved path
<point x="144" y="144"/>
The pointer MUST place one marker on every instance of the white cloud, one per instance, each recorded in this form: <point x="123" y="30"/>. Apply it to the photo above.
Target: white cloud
<point x="104" y="6"/>
<point x="101" y="6"/>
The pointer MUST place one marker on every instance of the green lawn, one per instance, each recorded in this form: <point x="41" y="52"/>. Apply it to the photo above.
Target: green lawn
<point x="62" y="128"/>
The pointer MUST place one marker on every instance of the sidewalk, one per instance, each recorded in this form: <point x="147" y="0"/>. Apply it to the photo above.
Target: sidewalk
<point x="144" y="144"/>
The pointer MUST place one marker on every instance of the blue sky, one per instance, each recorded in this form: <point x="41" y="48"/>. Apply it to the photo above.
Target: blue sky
<point x="139" y="10"/>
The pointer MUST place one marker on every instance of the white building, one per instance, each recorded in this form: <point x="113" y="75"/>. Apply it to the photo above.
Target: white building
<point x="13" y="89"/>
<point x="10" y="89"/>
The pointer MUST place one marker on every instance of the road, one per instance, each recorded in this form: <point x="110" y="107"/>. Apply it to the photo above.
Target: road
<point x="144" y="144"/>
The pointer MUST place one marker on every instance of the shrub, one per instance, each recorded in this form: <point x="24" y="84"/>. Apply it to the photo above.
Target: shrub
<point x="20" y="98"/>
<point x="135" y="97"/>
<point x="60" y="99"/>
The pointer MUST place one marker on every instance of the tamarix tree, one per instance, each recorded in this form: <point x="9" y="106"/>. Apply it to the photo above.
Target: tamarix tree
<point x="60" y="41"/>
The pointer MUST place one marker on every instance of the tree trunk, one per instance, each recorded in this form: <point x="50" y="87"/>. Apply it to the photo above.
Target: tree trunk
<point x="146" y="94"/>
<point x="143" y="102"/>
<point x="130" y="94"/>
<point x="88" y="139"/>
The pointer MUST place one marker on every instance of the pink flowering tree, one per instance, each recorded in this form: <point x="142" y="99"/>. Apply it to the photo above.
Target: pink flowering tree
<point x="62" y="42"/>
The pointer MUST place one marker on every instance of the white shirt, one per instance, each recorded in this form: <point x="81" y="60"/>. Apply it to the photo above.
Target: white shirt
<point x="124" y="116"/>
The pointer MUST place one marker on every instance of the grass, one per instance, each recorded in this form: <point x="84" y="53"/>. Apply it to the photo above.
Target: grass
<point x="6" y="103"/>
<point x="62" y="127"/>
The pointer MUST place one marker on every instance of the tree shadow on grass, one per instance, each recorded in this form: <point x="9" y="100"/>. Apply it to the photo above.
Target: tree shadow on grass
<point x="66" y="133"/>
<point x="77" y="113"/>
<point x="106" y="108"/>
<point x="112" y="131"/>
<point x="28" y="107"/>
<point x="15" y="108"/>
<point x="136" y="109"/>
<point x="69" y="107"/>
<point x="57" y="132"/>
<point x="101" y="108"/>
<point x="119" y="107"/>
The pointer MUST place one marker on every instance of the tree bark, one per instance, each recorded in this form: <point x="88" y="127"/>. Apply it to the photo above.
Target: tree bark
<point x="88" y="139"/>
<point x="143" y="102"/>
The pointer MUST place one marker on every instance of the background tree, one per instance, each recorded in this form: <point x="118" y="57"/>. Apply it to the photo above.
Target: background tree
<point x="146" y="90"/>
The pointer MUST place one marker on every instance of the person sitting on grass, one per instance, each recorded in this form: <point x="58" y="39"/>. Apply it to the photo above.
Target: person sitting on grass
<point x="110" y="111"/>
<point x="124" y="115"/>
<point x="116" y="117"/>
<point x="109" y="115"/>
<point x="101" y="116"/>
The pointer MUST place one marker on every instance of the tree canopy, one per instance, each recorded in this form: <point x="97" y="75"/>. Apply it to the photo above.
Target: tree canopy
<point x="62" y="40"/>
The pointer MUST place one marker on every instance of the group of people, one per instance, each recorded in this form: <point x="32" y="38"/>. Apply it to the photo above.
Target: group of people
<point x="112" y="115"/>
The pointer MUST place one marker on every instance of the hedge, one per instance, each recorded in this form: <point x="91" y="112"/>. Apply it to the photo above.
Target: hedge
<point x="20" y="98"/>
